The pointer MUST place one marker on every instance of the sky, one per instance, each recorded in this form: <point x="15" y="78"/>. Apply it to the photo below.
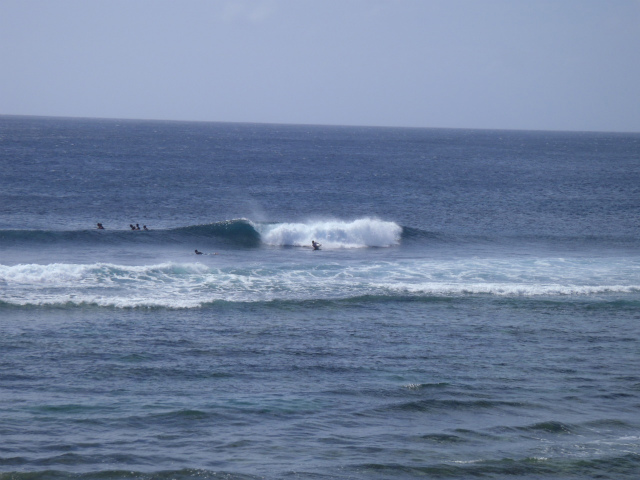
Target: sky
<point x="495" y="64"/>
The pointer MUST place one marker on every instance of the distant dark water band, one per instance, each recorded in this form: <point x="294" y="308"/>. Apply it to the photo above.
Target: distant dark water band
<point x="619" y="303"/>
<point x="624" y="467"/>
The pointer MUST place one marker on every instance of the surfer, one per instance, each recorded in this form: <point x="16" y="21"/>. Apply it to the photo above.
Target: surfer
<point x="100" y="227"/>
<point x="144" y="227"/>
<point x="132" y="227"/>
<point x="315" y="245"/>
<point x="197" y="252"/>
<point x="137" y="226"/>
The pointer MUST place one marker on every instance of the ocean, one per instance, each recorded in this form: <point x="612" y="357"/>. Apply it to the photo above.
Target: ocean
<point x="473" y="312"/>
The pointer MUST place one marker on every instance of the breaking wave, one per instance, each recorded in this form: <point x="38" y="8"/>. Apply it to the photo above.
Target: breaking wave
<point x="364" y="232"/>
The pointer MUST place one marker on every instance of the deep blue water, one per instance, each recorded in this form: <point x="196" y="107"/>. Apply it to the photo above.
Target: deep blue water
<point x="474" y="310"/>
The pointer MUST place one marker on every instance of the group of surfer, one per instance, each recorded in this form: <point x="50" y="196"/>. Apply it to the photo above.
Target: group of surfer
<point x="137" y="227"/>
<point x="133" y="227"/>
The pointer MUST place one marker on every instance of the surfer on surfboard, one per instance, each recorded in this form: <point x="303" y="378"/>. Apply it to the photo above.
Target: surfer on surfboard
<point x="315" y="245"/>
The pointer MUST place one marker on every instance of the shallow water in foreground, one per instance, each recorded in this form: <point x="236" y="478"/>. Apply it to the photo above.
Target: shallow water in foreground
<point x="350" y="388"/>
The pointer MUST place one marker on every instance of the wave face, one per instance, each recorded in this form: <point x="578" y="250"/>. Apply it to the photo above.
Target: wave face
<point x="193" y="285"/>
<point x="238" y="231"/>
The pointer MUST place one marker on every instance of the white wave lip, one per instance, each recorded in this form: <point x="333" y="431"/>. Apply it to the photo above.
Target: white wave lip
<point x="360" y="233"/>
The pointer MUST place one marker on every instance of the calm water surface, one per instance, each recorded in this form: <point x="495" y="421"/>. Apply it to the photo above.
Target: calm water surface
<point x="474" y="310"/>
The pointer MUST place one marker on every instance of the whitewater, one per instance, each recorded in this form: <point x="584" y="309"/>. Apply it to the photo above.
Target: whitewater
<point x="359" y="233"/>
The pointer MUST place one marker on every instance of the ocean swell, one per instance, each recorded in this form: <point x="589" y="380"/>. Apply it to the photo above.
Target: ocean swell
<point x="364" y="232"/>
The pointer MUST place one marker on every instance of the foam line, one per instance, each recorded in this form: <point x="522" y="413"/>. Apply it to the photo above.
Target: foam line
<point x="191" y="285"/>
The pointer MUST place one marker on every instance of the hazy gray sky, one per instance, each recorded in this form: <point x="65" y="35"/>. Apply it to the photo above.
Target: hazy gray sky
<point x="518" y="64"/>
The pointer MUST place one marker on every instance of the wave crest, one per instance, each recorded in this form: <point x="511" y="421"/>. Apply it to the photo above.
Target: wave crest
<point x="360" y="233"/>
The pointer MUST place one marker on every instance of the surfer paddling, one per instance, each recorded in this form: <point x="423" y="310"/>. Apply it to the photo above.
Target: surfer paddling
<point x="200" y="253"/>
<point x="315" y="245"/>
<point x="100" y="227"/>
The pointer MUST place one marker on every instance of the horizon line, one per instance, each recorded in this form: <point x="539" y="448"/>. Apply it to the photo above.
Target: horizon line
<point x="159" y="120"/>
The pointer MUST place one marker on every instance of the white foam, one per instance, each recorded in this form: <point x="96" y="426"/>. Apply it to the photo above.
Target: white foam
<point x="512" y="290"/>
<point x="58" y="274"/>
<point x="363" y="232"/>
<point x="190" y="285"/>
